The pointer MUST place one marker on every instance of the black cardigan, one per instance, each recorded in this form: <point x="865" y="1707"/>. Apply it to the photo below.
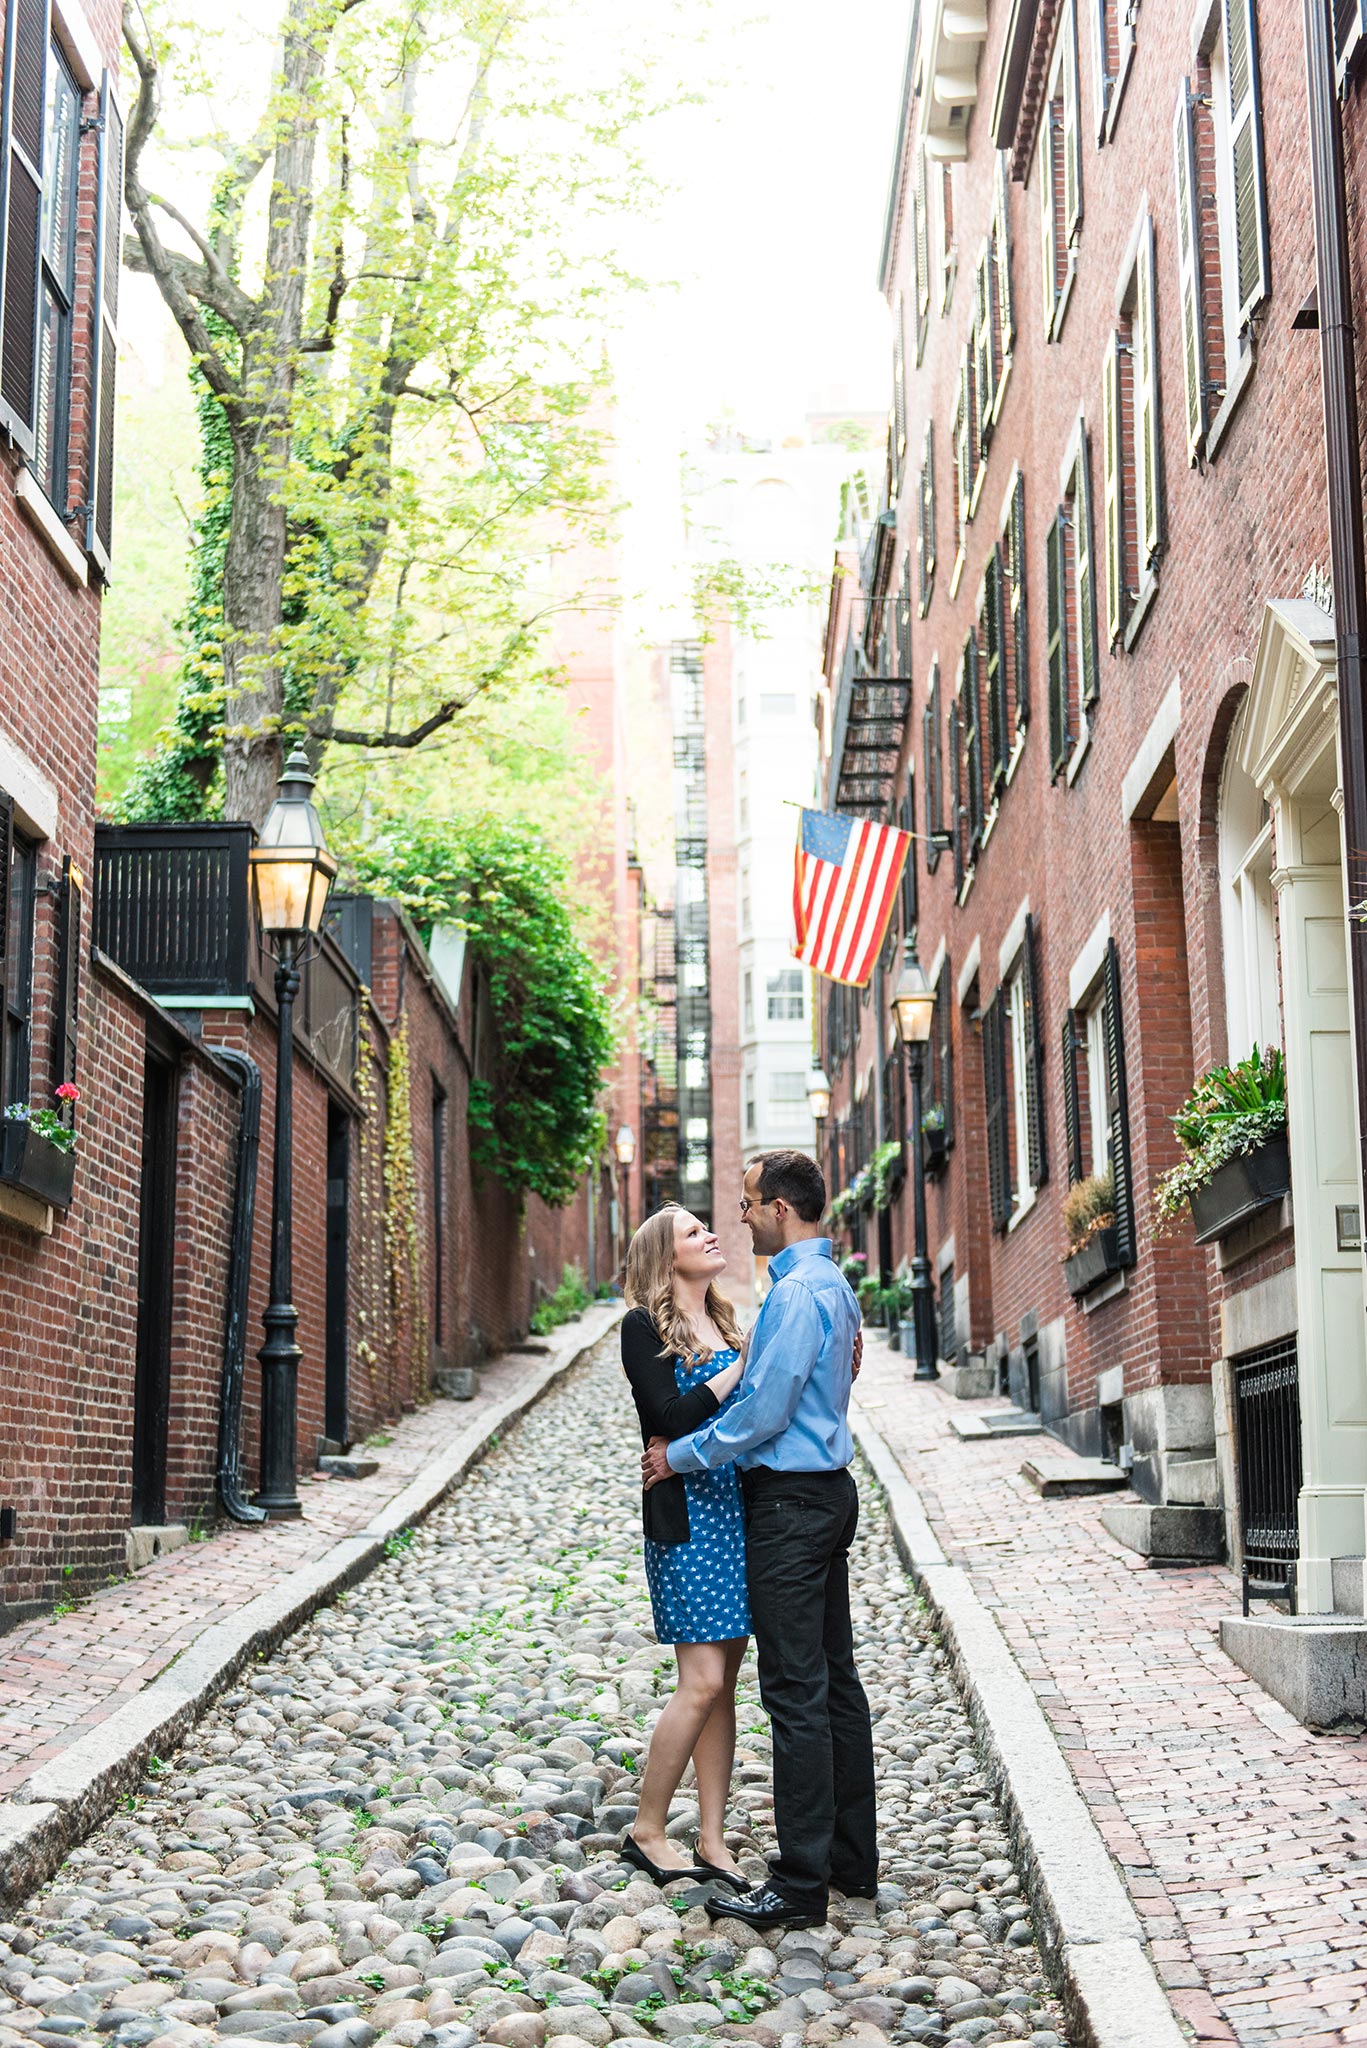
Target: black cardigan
<point x="664" y="1411"/>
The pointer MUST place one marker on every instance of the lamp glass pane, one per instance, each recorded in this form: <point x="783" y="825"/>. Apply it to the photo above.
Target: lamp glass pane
<point x="283" y="890"/>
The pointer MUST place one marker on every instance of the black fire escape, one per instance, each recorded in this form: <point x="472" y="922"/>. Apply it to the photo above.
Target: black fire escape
<point x="690" y="930"/>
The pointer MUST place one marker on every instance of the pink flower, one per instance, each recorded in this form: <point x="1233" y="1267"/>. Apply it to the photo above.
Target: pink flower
<point x="68" y="1092"/>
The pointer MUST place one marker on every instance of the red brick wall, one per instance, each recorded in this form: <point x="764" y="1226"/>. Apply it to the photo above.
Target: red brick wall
<point x="1242" y="529"/>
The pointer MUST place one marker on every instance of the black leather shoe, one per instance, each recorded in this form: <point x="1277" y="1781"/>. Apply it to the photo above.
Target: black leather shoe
<point x="763" y="1907"/>
<point x="635" y="1855"/>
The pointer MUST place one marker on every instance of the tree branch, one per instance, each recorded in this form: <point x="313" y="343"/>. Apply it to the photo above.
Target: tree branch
<point x="344" y="736"/>
<point x="176" y="276"/>
<point x="324" y="339"/>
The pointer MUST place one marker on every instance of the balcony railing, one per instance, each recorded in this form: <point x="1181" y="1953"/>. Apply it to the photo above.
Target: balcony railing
<point x="172" y="906"/>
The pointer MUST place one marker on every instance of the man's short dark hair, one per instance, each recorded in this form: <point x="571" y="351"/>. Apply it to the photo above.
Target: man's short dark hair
<point x="795" y="1179"/>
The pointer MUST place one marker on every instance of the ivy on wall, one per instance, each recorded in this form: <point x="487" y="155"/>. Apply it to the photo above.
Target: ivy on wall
<point x="536" y="1123"/>
<point x="403" y="1239"/>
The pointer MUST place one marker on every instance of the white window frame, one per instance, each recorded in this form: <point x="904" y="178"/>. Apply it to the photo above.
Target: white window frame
<point x="1063" y="86"/>
<point x="1098" y="1113"/>
<point x="1023" y="1195"/>
<point x="1248" y="916"/>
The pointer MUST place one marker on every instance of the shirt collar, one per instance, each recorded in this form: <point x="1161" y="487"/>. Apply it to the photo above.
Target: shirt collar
<point x="805" y="1248"/>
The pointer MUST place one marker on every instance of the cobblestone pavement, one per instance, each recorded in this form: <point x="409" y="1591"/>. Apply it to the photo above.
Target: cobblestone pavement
<point x="65" y="1673"/>
<point x="404" y="1827"/>
<point x="1242" y="1836"/>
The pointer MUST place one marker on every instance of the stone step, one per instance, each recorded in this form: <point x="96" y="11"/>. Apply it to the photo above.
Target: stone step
<point x="1175" y="1534"/>
<point x="349" y="1465"/>
<point x="1315" y="1664"/>
<point x="997" y="1422"/>
<point x="1064" y="1478"/>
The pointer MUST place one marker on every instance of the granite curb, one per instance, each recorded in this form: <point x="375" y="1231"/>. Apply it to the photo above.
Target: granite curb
<point x="66" y="1797"/>
<point x="1092" y="1939"/>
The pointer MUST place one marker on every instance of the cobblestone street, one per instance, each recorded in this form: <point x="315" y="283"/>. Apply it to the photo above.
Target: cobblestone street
<point x="404" y="1826"/>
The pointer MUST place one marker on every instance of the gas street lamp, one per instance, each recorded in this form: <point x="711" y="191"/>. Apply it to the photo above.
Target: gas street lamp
<point x="625" y="1147"/>
<point x="292" y="872"/>
<point x="818" y="1093"/>
<point x="913" y="1005"/>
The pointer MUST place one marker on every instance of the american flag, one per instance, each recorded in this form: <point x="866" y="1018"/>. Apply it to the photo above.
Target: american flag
<point x="845" y="879"/>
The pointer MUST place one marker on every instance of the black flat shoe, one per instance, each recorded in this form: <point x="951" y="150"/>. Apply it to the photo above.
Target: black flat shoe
<point x="763" y="1907"/>
<point x="635" y="1855"/>
<point x="714" y="1870"/>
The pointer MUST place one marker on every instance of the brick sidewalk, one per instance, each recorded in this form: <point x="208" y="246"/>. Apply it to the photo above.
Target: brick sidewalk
<point x="63" y="1674"/>
<point x="1241" y="1836"/>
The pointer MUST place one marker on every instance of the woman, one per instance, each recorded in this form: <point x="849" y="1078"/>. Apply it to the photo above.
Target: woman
<point x="681" y="1349"/>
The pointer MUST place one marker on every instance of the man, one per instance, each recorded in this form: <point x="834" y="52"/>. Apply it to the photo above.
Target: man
<point x="788" y="1432"/>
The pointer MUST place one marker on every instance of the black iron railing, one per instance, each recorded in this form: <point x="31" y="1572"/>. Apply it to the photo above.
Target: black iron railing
<point x="1267" y="1411"/>
<point x="171" y="906"/>
<point x="947" y="1318"/>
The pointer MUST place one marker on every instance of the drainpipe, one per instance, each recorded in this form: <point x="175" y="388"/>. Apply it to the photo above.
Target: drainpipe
<point x="239" y="1282"/>
<point x="1338" y="373"/>
<point x="883" y="1217"/>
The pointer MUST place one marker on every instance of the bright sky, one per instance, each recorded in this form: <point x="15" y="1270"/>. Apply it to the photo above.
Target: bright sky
<point x="774" y="231"/>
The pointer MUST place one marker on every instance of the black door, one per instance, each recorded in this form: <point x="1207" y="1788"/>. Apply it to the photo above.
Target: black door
<point x="339" y="1182"/>
<point x="156" y="1256"/>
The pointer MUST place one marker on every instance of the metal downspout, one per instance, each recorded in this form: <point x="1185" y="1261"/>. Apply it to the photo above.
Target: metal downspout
<point x="239" y="1282"/>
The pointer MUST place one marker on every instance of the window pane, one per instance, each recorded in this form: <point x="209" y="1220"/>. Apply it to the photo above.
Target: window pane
<point x="20" y="992"/>
<point x="59" y="173"/>
<point x="781" y="705"/>
<point x="787" y="1087"/>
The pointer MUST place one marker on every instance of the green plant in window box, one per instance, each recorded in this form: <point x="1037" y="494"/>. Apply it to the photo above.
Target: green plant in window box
<point x="888" y="1168"/>
<point x="39" y="1146"/>
<point x="1231" y="1112"/>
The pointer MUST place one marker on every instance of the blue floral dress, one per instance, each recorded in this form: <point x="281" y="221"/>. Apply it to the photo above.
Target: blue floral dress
<point x="697" y="1589"/>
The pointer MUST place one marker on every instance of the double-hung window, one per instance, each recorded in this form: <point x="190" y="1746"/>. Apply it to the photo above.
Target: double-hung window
<point x="784" y="996"/>
<point x="18" y="968"/>
<point x="1096" y="1114"/>
<point x="1132" y="488"/>
<point x="57" y="280"/>
<point x="1070" y="612"/>
<point x="1224" y="278"/>
<point x="933" y="766"/>
<point x="1113" y="24"/>
<point x="925" y="523"/>
<point x="1017" y="1153"/>
<point x="1059" y="171"/>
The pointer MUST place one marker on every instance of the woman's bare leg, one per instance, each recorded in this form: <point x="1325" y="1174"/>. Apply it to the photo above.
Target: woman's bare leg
<point x="702" y="1679"/>
<point x="714" y="1756"/>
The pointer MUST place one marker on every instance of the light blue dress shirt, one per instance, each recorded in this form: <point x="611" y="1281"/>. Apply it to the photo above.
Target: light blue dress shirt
<point x="790" y="1413"/>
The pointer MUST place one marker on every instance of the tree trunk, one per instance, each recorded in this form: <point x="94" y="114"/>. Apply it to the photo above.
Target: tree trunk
<point x="253" y="574"/>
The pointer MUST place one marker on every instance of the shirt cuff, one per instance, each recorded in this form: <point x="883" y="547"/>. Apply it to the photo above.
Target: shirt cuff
<point x="682" y="1456"/>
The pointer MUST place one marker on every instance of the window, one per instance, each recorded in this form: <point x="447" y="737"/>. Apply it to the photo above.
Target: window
<point x="750" y="1123"/>
<point x="964" y="434"/>
<point x="994" y="319"/>
<point x="1247" y="907"/>
<point x="1132" y="490"/>
<point x="1113" y="47"/>
<point x="948" y="252"/>
<point x="1096" y="1115"/>
<point x="57" y="279"/>
<point x="1017" y="1159"/>
<point x="920" y="207"/>
<point x="1003" y="664"/>
<point x="748" y="1000"/>
<point x="925" y="522"/>
<point x="777" y="704"/>
<point x="1060" y="175"/>
<point x="785" y="996"/>
<point x="1224" y="277"/>
<point x="942" y="1049"/>
<point x="902" y="622"/>
<point x="745" y="899"/>
<point x="788" y="1100"/>
<point x="1070" y="614"/>
<point x="18" y="960"/>
<point x="898" y="450"/>
<point x="933" y="766"/>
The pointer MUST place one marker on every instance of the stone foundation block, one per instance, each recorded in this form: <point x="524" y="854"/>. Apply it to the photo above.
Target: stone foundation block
<point x="1314" y="1664"/>
<point x="1190" y="1535"/>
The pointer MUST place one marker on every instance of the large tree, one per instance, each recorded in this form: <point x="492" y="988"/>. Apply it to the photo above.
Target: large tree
<point x="393" y="298"/>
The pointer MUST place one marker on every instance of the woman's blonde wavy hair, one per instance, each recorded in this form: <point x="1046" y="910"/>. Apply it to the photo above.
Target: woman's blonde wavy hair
<point x="650" y="1285"/>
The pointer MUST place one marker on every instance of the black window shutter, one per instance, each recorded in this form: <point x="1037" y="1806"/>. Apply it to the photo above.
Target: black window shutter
<point x="1037" y="1140"/>
<point x="907" y="820"/>
<point x="944" y="1046"/>
<point x="99" y="537"/>
<point x="6" y="858"/>
<point x="1089" y="679"/>
<point x="994" y="640"/>
<point x="1072" y="1118"/>
<point x="21" y="207"/>
<point x="1118" y="1108"/>
<point x="1020" y="652"/>
<point x="1246" y="146"/>
<point x="68" y="976"/>
<point x="1056" y="621"/>
<point x="970" y="698"/>
<point x="994" y="1095"/>
<point x="956" y="823"/>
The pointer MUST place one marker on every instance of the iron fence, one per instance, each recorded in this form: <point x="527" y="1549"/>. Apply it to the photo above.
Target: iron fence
<point x="171" y="906"/>
<point x="1267" y="1413"/>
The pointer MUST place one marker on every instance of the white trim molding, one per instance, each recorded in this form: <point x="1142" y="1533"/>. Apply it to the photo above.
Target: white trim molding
<point x="1162" y="734"/>
<point x="1086" y="969"/>
<point x="1014" y="940"/>
<point x="35" y="798"/>
<point x="972" y="962"/>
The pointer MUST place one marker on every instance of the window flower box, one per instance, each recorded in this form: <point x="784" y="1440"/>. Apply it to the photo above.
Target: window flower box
<point x="934" y="1150"/>
<point x="1248" y="1182"/>
<point x="1096" y="1261"/>
<point x="32" y="1162"/>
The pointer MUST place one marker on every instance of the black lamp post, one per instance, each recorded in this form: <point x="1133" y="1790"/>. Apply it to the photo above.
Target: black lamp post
<point x="913" y="1005"/>
<point x="292" y="872"/>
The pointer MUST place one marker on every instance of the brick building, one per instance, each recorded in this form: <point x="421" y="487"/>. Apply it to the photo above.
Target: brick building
<point x="134" y="1270"/>
<point x="1089" y="657"/>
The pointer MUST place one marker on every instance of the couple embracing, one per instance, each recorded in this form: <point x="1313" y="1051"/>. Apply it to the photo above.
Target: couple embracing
<point x="749" y="1512"/>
